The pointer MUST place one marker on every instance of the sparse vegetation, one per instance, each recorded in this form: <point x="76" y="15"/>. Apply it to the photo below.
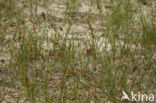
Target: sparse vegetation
<point x="75" y="51"/>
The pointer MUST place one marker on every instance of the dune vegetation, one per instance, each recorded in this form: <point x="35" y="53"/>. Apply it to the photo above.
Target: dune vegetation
<point x="76" y="51"/>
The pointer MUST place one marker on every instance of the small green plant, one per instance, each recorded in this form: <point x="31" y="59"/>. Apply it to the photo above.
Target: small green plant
<point x="72" y="7"/>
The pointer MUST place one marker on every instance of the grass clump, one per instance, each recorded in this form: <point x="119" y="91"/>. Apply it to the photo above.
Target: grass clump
<point x="62" y="54"/>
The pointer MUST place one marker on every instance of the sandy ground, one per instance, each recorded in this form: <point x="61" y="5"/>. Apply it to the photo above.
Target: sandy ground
<point x="79" y="31"/>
